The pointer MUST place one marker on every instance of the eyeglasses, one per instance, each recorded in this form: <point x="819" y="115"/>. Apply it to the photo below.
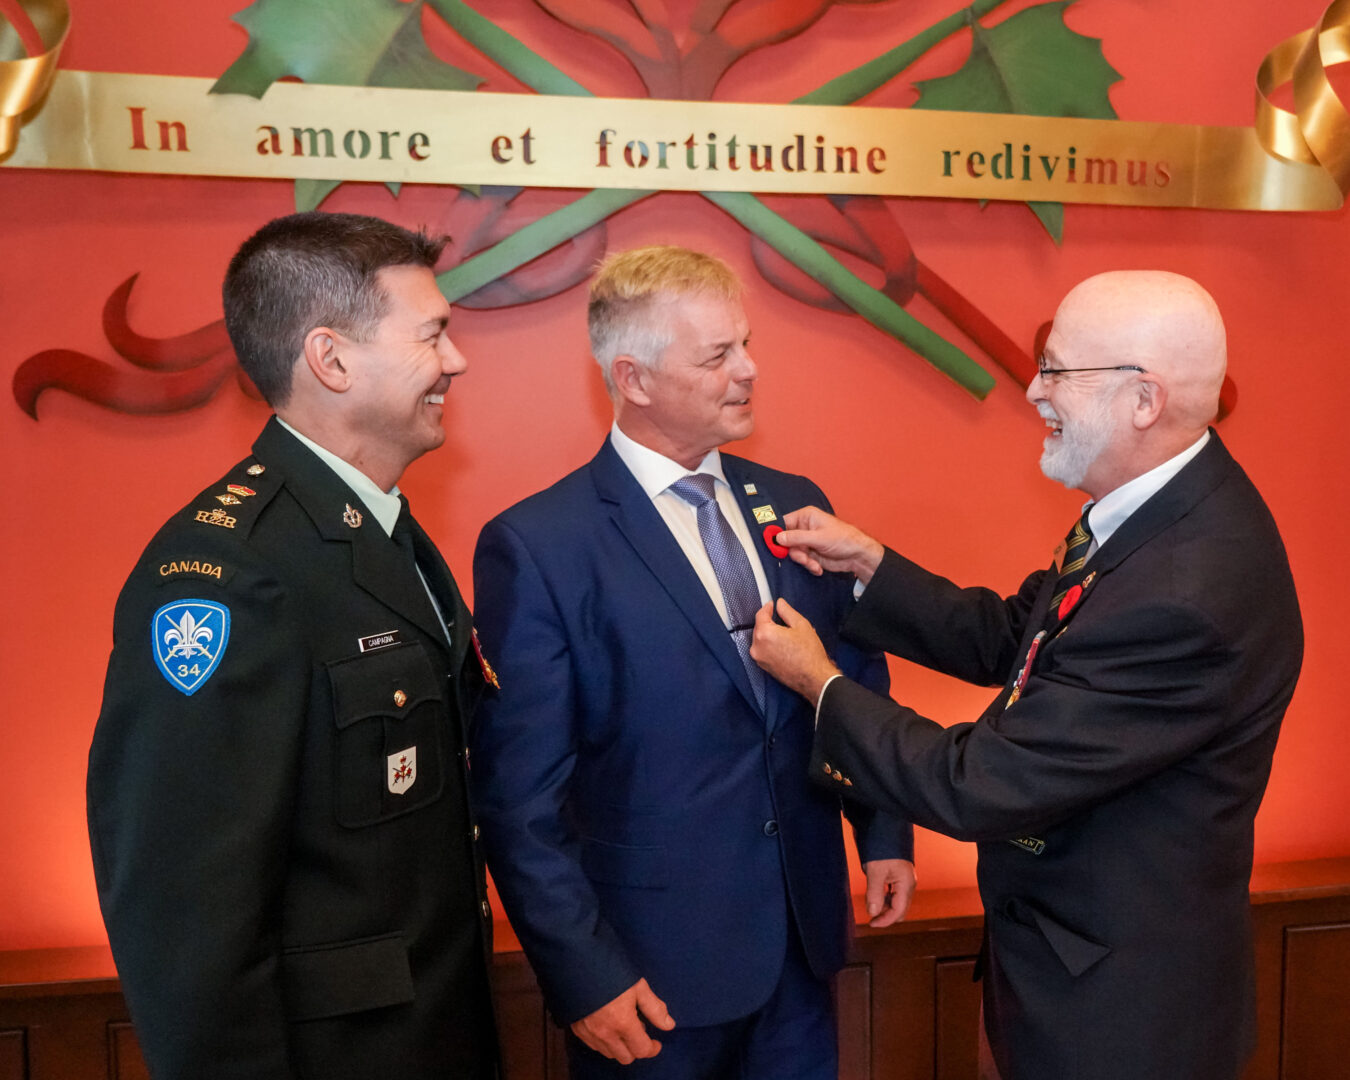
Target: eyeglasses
<point x="1049" y="374"/>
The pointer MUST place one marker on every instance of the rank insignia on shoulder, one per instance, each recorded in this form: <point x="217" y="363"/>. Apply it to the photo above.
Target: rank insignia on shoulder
<point x="239" y="489"/>
<point x="189" y="638"/>
<point x="489" y="676"/>
<point x="216" y="517"/>
<point x="352" y="517"/>
<point x="764" y="515"/>
<point x="229" y="500"/>
<point x="401" y="770"/>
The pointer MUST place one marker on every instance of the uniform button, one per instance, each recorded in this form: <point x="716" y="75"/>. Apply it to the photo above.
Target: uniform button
<point x="847" y="782"/>
<point x="838" y="775"/>
<point x="827" y="768"/>
<point x="476" y="832"/>
<point x="487" y="911"/>
<point x="771" y="828"/>
<point x="400" y="698"/>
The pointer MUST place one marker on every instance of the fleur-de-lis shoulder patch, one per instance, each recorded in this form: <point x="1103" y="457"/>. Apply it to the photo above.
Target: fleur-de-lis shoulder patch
<point x="189" y="638"/>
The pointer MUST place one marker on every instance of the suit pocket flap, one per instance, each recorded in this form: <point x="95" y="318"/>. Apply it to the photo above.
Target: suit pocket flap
<point x="347" y="977"/>
<point x="1075" y="951"/>
<point x="640" y="867"/>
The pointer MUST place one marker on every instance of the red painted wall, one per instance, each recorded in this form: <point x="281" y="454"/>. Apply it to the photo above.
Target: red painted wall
<point x="901" y="450"/>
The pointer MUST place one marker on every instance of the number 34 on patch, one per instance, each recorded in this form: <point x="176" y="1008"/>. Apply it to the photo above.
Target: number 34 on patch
<point x="189" y="638"/>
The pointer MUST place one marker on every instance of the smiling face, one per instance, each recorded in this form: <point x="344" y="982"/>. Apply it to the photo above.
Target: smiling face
<point x="699" y="395"/>
<point x="399" y="376"/>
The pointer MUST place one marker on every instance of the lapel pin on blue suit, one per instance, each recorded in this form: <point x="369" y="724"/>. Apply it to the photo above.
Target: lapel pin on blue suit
<point x="189" y="638"/>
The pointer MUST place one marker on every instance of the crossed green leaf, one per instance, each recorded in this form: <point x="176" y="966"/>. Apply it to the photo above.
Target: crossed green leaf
<point x="380" y="43"/>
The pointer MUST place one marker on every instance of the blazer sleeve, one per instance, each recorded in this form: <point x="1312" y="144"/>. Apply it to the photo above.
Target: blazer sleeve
<point x="190" y="799"/>
<point x="876" y="834"/>
<point x="972" y="634"/>
<point x="1110" y="702"/>
<point x="524" y="751"/>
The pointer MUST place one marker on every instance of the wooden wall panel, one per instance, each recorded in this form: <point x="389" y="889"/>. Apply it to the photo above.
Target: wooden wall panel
<point x="908" y="1010"/>
<point x="958" y="1019"/>
<point x="13" y="1054"/>
<point x="1316" y="975"/>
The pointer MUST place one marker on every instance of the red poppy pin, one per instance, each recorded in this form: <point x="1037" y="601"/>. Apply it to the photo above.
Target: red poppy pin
<point x="1072" y="597"/>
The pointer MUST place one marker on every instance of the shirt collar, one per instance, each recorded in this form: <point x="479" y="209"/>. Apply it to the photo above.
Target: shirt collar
<point x="384" y="505"/>
<point x="656" y="472"/>
<point x="1111" y="511"/>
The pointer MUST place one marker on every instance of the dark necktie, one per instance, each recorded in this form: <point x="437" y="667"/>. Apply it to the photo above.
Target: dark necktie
<point x="418" y="550"/>
<point x="730" y="563"/>
<point x="1076" y="546"/>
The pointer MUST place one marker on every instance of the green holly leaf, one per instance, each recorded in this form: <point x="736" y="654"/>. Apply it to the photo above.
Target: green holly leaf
<point x="1034" y="65"/>
<point x="342" y="42"/>
<point x="339" y="42"/>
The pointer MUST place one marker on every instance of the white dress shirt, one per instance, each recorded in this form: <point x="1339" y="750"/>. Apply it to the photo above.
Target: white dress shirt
<point x="655" y="473"/>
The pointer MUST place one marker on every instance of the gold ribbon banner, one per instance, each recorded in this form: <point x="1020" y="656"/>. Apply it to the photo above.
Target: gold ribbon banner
<point x="172" y="125"/>
<point x="25" y="78"/>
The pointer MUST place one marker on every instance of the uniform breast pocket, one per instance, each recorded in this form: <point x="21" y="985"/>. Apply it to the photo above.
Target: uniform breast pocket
<point x="390" y="713"/>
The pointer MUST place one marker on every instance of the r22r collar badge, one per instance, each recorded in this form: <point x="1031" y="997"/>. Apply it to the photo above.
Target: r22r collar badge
<point x="189" y="638"/>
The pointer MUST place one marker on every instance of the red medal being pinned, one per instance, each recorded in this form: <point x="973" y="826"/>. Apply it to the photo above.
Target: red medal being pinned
<point x="777" y="550"/>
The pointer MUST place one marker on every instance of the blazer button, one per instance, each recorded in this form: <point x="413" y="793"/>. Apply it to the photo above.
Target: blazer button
<point x="771" y="828"/>
<point x="400" y="698"/>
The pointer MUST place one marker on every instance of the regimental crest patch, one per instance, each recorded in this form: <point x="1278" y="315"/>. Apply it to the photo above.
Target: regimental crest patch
<point x="189" y="638"/>
<point x="401" y="767"/>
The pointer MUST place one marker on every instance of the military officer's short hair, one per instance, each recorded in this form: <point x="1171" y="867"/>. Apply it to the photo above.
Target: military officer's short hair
<point x="306" y="270"/>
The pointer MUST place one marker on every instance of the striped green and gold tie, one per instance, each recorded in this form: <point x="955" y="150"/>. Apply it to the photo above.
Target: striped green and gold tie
<point x="1076" y="546"/>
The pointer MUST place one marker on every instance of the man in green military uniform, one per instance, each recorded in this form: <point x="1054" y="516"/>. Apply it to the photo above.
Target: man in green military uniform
<point x="283" y="845"/>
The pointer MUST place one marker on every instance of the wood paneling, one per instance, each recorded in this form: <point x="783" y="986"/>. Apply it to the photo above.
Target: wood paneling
<point x="1316" y="975"/>
<point x="907" y="1007"/>
<point x="13" y="1054"/>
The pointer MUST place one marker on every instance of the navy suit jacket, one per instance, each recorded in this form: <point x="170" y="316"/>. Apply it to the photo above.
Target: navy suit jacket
<point x="642" y="817"/>
<point x="1113" y="801"/>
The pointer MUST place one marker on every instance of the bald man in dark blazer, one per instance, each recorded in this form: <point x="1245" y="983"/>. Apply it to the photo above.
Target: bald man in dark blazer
<point x="1112" y="783"/>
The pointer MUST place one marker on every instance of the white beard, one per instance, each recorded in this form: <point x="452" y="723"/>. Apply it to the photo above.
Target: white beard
<point x="1068" y="457"/>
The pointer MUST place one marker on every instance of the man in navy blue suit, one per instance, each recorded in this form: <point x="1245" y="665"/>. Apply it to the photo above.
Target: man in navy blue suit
<point x="642" y="786"/>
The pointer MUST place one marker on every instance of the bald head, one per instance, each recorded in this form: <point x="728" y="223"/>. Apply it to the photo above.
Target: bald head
<point x="1162" y="322"/>
<point x="1131" y="377"/>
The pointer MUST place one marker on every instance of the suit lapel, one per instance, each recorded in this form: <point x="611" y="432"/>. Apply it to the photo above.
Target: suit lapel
<point x="378" y="567"/>
<point x="646" y="531"/>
